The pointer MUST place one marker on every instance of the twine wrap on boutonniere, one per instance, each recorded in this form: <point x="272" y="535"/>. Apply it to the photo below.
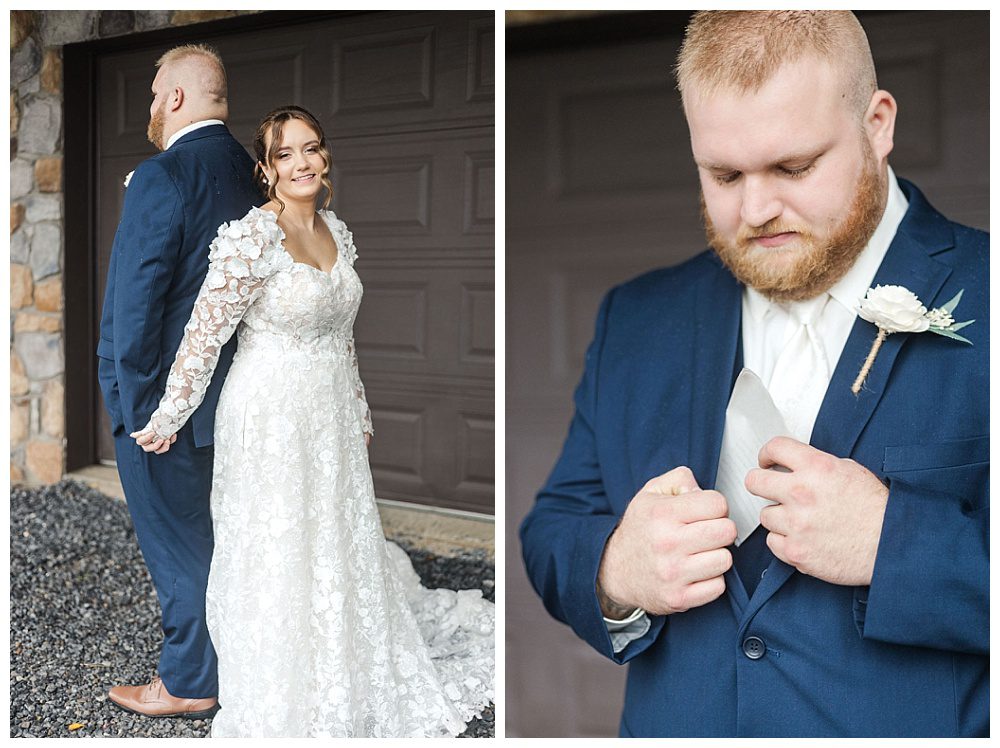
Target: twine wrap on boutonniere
<point x="897" y="309"/>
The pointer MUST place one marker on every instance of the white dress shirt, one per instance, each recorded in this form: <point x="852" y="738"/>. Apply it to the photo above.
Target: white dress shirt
<point x="190" y="128"/>
<point x="767" y="326"/>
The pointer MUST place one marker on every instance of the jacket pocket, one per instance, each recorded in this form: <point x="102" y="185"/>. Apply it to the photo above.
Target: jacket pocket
<point x="944" y="454"/>
<point x="955" y="467"/>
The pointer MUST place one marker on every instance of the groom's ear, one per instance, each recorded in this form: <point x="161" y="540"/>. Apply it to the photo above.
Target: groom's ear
<point x="176" y="99"/>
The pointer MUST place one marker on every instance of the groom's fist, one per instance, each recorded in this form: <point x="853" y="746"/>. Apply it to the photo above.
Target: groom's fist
<point x="668" y="554"/>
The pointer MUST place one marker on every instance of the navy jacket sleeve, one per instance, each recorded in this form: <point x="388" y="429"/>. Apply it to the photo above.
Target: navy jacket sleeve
<point x="930" y="586"/>
<point x="564" y="535"/>
<point x="146" y="249"/>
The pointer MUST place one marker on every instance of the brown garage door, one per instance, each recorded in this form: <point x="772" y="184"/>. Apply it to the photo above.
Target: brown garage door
<point x="407" y="103"/>
<point x="601" y="187"/>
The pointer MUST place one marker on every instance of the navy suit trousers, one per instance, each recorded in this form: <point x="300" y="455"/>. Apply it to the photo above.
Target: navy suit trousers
<point x="168" y="498"/>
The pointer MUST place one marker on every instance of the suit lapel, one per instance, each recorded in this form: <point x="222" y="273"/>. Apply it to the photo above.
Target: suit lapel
<point x="717" y="348"/>
<point x="714" y="352"/>
<point x="843" y="416"/>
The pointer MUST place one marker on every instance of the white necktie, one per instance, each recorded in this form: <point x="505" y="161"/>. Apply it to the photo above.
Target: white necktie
<point x="802" y="372"/>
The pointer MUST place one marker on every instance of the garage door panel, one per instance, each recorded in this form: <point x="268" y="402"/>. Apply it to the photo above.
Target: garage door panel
<point x="385" y="194"/>
<point x="480" y="70"/>
<point x="476" y="324"/>
<point x="427" y="320"/>
<point x="388" y="70"/>
<point x="479" y="193"/>
<point x="437" y="442"/>
<point x="426" y="75"/>
<point x="283" y="66"/>
<point x="394" y="325"/>
<point x="475" y="472"/>
<point x="436" y="184"/>
<point x="397" y="453"/>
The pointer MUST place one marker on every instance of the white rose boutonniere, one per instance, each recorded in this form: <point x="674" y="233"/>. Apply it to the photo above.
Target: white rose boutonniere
<point x="894" y="309"/>
<point x="897" y="309"/>
<point x="128" y="177"/>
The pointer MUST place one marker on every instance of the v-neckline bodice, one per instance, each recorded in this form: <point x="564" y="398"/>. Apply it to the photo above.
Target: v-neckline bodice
<point x="281" y="242"/>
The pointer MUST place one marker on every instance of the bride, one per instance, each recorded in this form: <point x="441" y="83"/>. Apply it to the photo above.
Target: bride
<point x="321" y="627"/>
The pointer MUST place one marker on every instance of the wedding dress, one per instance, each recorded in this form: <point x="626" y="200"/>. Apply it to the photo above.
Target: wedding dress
<point x="321" y="626"/>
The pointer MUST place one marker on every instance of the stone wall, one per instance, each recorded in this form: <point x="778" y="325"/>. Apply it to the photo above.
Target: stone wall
<point x="37" y="370"/>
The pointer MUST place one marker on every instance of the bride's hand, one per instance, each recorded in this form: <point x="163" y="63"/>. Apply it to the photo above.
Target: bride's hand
<point x="368" y="439"/>
<point x="150" y="442"/>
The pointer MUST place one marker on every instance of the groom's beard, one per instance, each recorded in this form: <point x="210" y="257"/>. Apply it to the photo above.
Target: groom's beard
<point x="156" y="124"/>
<point x="822" y="260"/>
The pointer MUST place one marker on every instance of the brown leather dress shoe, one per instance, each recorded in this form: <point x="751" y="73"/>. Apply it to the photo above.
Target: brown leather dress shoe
<point x="154" y="700"/>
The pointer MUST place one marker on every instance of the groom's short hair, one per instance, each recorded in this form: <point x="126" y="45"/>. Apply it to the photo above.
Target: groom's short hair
<point x="213" y="77"/>
<point x="741" y="50"/>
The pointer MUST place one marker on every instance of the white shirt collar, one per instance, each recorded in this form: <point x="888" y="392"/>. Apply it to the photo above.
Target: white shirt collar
<point x="850" y="289"/>
<point x="756" y="302"/>
<point x="190" y="128"/>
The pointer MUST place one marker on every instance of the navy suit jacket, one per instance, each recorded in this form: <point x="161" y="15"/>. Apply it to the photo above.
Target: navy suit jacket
<point x="906" y="656"/>
<point x="174" y="205"/>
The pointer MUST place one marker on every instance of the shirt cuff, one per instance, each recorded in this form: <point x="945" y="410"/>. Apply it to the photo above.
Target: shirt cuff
<point x="617" y="624"/>
<point x="627" y="630"/>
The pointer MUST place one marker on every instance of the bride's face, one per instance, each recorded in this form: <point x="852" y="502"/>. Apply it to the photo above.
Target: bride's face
<point x="297" y="168"/>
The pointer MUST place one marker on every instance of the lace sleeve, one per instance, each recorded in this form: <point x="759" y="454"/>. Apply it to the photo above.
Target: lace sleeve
<point x="241" y="258"/>
<point x="345" y="243"/>
<point x="359" y="391"/>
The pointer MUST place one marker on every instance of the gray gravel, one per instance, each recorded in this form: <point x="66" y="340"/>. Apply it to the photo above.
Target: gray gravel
<point x="84" y="615"/>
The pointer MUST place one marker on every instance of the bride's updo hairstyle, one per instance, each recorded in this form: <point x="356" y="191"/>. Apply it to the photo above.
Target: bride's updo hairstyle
<point x="274" y="123"/>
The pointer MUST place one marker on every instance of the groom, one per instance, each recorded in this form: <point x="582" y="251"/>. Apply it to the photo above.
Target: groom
<point x="860" y="604"/>
<point x="174" y="205"/>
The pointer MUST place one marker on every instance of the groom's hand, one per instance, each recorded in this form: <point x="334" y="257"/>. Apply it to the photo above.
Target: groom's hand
<point x="669" y="552"/>
<point x="828" y="518"/>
